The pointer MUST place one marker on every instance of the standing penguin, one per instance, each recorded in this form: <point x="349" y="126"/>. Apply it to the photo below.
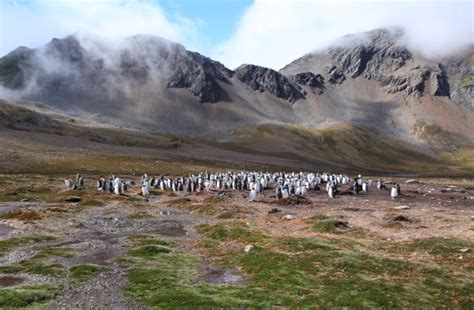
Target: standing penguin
<point x="145" y="191"/>
<point x="398" y="189"/>
<point x="394" y="192"/>
<point x="278" y="194"/>
<point x="253" y="195"/>
<point x="365" y="187"/>
<point x="331" y="191"/>
<point x="284" y="192"/>
<point x="117" y="186"/>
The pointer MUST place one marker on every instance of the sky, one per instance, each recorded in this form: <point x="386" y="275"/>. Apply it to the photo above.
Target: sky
<point x="270" y="33"/>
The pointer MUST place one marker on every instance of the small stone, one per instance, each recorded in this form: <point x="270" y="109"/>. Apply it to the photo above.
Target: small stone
<point x="248" y="248"/>
<point x="73" y="199"/>
<point x="411" y="181"/>
<point x="464" y="250"/>
<point x="401" y="208"/>
<point x="274" y="210"/>
<point x="289" y="217"/>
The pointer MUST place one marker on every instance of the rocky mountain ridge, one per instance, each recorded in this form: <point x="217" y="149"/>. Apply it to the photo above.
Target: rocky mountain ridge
<point x="146" y="82"/>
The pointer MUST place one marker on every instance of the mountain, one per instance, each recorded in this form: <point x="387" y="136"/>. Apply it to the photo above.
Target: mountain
<point x="370" y="82"/>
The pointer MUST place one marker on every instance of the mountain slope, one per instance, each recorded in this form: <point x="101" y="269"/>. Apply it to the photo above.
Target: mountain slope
<point x="368" y="80"/>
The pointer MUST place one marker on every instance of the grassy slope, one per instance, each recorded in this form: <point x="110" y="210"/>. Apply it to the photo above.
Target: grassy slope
<point x="36" y="143"/>
<point x="301" y="272"/>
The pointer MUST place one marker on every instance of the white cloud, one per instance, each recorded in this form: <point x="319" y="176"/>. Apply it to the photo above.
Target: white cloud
<point x="273" y="33"/>
<point x="33" y="23"/>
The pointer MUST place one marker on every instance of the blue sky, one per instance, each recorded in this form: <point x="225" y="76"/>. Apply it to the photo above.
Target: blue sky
<point x="270" y="33"/>
<point x="219" y="18"/>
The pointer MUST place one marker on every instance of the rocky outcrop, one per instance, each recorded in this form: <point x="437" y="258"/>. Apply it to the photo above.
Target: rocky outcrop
<point x="15" y="68"/>
<point x="460" y="72"/>
<point x="315" y="81"/>
<point x="265" y="79"/>
<point x="378" y="55"/>
<point x="65" y="63"/>
<point x="200" y="75"/>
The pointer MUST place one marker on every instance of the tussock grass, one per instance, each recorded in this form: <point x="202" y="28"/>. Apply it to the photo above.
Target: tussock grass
<point x="16" y="242"/>
<point x="234" y="231"/>
<point x="84" y="272"/>
<point x="33" y="296"/>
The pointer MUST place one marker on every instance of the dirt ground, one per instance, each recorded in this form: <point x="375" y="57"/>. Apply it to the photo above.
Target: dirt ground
<point x="100" y="234"/>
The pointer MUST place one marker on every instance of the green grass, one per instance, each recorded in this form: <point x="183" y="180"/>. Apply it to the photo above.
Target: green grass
<point x="38" y="264"/>
<point x="149" y="251"/>
<point x="84" y="272"/>
<point x="27" y="266"/>
<point x="55" y="252"/>
<point x="17" y="242"/>
<point x="298" y="273"/>
<point x="91" y="203"/>
<point x="323" y="224"/>
<point x="141" y="216"/>
<point x="231" y="231"/>
<point x="32" y="296"/>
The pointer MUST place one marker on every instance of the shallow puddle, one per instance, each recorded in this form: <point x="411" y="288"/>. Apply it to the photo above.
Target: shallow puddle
<point x="7" y="281"/>
<point x="6" y="230"/>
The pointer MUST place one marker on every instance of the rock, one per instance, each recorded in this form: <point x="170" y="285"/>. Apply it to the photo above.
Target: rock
<point x="465" y="250"/>
<point x="73" y="199"/>
<point x="274" y="210"/>
<point x="315" y="81"/>
<point x="288" y="217"/>
<point x="401" y="218"/>
<point x="248" y="248"/>
<point x="265" y="79"/>
<point x="401" y="208"/>
<point x="336" y="76"/>
<point x="412" y="181"/>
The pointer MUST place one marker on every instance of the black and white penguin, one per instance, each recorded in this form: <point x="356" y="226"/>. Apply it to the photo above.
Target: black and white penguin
<point x="394" y="192"/>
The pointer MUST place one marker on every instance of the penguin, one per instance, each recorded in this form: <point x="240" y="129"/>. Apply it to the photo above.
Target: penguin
<point x="365" y="187"/>
<point x="398" y="189"/>
<point x="253" y="195"/>
<point x="356" y="187"/>
<point x="278" y="194"/>
<point x="394" y="192"/>
<point x="284" y="192"/>
<point x="117" y="190"/>
<point x="331" y="192"/>
<point x="81" y="181"/>
<point x="145" y="191"/>
<point x="124" y="186"/>
<point x="99" y="185"/>
<point x="68" y="183"/>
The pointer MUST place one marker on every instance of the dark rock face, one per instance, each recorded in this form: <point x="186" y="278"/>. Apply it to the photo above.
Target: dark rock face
<point x="265" y="79"/>
<point x="200" y="75"/>
<point x="377" y="55"/>
<point x="335" y="75"/>
<point x="315" y="81"/>
<point x="380" y="58"/>
<point x="64" y="65"/>
<point x="460" y="73"/>
<point x="14" y="68"/>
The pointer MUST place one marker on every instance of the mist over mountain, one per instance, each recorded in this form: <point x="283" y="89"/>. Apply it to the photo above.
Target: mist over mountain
<point x="146" y="82"/>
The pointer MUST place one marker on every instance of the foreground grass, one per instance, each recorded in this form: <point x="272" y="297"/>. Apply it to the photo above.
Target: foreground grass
<point x="16" y="242"/>
<point x="84" y="272"/>
<point x="296" y="273"/>
<point x="33" y="296"/>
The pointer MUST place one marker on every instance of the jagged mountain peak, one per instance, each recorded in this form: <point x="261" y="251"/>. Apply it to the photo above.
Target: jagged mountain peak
<point x="378" y="55"/>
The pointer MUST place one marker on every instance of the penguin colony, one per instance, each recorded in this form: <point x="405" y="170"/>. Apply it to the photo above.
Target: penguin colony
<point x="284" y="184"/>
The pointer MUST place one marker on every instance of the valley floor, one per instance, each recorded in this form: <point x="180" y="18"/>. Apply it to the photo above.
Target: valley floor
<point x="87" y="249"/>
